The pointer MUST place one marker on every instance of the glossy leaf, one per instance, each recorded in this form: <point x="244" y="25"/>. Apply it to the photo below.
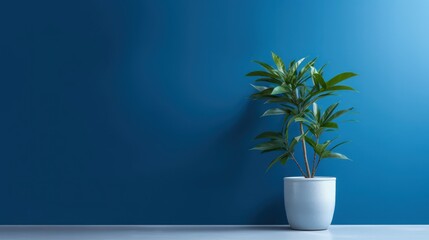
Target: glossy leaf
<point x="261" y="74"/>
<point x="266" y="66"/>
<point x="282" y="159"/>
<point x="311" y="142"/>
<point x="278" y="90"/>
<point x="316" y="112"/>
<point x="259" y="88"/>
<point x="274" y="111"/>
<point x="271" y="145"/>
<point x="278" y="61"/>
<point x="338" y="88"/>
<point x="280" y="100"/>
<point x="329" y="111"/>
<point x="269" y="80"/>
<point x="301" y="119"/>
<point x="263" y="94"/>
<point x="319" y="79"/>
<point x="338" y="114"/>
<point x="272" y="135"/>
<point x="335" y="155"/>
<point x="339" y="144"/>
<point x="340" y="77"/>
<point x="299" y="137"/>
<point x="330" y="125"/>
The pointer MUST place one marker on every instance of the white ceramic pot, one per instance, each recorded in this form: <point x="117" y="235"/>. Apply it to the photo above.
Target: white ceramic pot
<point x="309" y="202"/>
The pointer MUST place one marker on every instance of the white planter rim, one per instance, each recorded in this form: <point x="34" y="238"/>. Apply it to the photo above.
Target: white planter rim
<point x="310" y="179"/>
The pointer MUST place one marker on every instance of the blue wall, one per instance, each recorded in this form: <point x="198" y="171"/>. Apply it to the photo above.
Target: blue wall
<point x="137" y="112"/>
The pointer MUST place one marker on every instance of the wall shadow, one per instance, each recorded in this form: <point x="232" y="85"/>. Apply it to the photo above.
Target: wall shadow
<point x="272" y="213"/>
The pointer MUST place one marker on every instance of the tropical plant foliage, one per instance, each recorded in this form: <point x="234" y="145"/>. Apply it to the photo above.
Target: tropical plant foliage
<point x="294" y="91"/>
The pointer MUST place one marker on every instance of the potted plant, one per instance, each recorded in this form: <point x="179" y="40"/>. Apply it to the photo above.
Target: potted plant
<point x="295" y="91"/>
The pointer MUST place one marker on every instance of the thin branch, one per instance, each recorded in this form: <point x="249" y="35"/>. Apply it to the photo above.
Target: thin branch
<point x="304" y="150"/>
<point x="315" y="169"/>
<point x="297" y="164"/>
<point x="314" y="158"/>
<point x="284" y="126"/>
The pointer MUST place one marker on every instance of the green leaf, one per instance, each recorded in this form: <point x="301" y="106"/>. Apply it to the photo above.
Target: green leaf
<point x="278" y="90"/>
<point x="338" y="114"/>
<point x="310" y="141"/>
<point x="316" y="111"/>
<point x="302" y="90"/>
<point x="329" y="154"/>
<point x="274" y="111"/>
<point x="272" y="164"/>
<point x="259" y="88"/>
<point x="272" y="150"/>
<point x="321" y="69"/>
<point x="313" y="70"/>
<point x="299" y="62"/>
<point x="340" y="77"/>
<point x="266" y="66"/>
<point x="301" y="119"/>
<point x="269" y="80"/>
<point x="291" y="145"/>
<point x="309" y="100"/>
<point x="286" y="105"/>
<point x="339" y="144"/>
<point x="276" y="99"/>
<point x="278" y="61"/>
<point x="324" y="145"/>
<point x="261" y="74"/>
<point x="330" y="125"/>
<point x="267" y="146"/>
<point x="299" y="137"/>
<point x="263" y="94"/>
<point x="307" y="66"/>
<point x="313" y="128"/>
<point x="329" y="111"/>
<point x="282" y="158"/>
<point x="319" y="79"/>
<point x="341" y="87"/>
<point x="294" y="65"/>
<point x="271" y="135"/>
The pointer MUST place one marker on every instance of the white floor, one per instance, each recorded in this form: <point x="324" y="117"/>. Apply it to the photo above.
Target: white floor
<point x="346" y="232"/>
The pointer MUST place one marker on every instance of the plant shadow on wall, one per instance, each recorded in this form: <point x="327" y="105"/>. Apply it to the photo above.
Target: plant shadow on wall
<point x="272" y="209"/>
<point x="225" y="163"/>
<point x="232" y="144"/>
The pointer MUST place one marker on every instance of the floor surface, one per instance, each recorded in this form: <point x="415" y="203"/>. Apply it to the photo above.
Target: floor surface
<point x="346" y="232"/>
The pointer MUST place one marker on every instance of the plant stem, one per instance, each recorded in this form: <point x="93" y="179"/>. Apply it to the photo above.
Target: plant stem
<point x="313" y="172"/>
<point x="317" y="165"/>
<point x="304" y="150"/>
<point x="297" y="164"/>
